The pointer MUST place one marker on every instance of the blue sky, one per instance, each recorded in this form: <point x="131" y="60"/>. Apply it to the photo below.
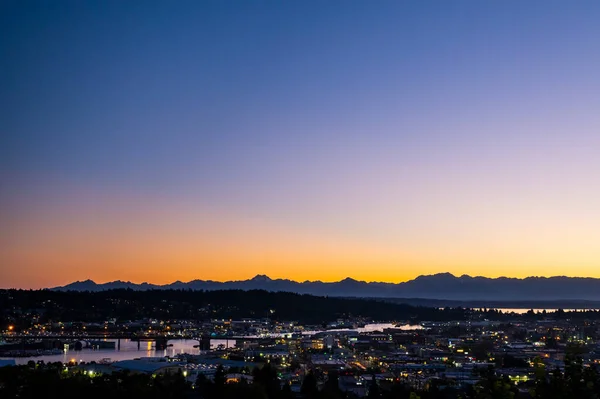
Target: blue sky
<point x="415" y="127"/>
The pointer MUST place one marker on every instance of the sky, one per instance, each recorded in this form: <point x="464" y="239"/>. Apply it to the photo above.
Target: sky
<point x="160" y="141"/>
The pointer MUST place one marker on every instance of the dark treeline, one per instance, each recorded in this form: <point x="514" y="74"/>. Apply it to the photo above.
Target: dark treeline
<point x="26" y="306"/>
<point x="46" y="305"/>
<point x="55" y="380"/>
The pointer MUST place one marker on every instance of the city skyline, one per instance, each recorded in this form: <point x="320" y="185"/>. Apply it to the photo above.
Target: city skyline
<point x="146" y="141"/>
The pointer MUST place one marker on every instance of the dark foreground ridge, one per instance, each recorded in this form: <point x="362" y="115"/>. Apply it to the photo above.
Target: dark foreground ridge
<point x="127" y="304"/>
<point x="444" y="286"/>
<point x="27" y="307"/>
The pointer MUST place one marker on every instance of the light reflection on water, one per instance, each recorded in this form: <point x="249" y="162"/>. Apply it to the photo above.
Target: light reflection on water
<point x="131" y="350"/>
<point x="523" y="310"/>
<point x="372" y="327"/>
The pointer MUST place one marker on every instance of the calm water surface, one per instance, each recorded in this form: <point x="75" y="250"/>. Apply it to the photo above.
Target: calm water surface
<point x="129" y="349"/>
<point x="523" y="311"/>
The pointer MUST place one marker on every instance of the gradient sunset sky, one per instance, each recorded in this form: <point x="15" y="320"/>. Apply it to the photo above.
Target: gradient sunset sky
<point x="160" y="141"/>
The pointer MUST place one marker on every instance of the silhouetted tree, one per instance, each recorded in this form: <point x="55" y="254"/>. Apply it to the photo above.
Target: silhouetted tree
<point x="374" y="391"/>
<point x="331" y="389"/>
<point x="309" y="386"/>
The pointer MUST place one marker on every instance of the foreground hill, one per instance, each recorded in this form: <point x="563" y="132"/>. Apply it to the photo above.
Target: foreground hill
<point x="22" y="306"/>
<point x="438" y="286"/>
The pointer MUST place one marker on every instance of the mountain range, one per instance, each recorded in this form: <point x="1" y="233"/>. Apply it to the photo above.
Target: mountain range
<point x="443" y="286"/>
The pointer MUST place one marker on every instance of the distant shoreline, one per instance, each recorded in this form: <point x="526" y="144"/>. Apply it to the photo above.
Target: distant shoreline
<point x="549" y="305"/>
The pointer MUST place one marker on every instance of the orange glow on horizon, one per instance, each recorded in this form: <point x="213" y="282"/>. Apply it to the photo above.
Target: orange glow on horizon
<point x="161" y="244"/>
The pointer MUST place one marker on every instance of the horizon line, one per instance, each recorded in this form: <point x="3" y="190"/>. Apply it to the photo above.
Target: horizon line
<point x="308" y="281"/>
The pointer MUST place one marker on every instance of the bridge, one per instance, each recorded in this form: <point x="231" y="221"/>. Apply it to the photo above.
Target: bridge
<point x="59" y="340"/>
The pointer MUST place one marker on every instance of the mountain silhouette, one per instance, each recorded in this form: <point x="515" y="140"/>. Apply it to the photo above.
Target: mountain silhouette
<point x="438" y="286"/>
